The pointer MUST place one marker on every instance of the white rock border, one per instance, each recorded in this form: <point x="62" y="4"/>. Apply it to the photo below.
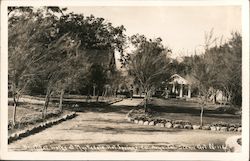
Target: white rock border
<point x="27" y="132"/>
<point x="174" y="124"/>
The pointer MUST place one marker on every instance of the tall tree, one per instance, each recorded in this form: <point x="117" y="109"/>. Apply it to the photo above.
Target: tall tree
<point x="230" y="65"/>
<point x="205" y="72"/>
<point x="219" y="68"/>
<point x="148" y="63"/>
<point x="24" y="51"/>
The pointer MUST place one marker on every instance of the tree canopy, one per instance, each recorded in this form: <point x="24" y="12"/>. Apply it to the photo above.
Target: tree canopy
<point x="52" y="52"/>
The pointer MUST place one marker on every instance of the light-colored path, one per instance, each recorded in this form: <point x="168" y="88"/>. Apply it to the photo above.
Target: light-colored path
<point x="111" y="128"/>
<point x="128" y="102"/>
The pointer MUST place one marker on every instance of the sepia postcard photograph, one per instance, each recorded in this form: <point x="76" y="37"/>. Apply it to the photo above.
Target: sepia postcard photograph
<point x="130" y="80"/>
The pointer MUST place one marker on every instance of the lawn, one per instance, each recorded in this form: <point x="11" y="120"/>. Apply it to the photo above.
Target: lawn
<point x="28" y="115"/>
<point x="175" y="109"/>
<point x="21" y="111"/>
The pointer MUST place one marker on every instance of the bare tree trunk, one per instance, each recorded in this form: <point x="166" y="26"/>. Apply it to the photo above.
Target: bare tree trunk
<point x="15" y="100"/>
<point x="97" y="98"/>
<point x="201" y="115"/>
<point x="61" y="100"/>
<point x="47" y="99"/>
<point x="204" y="104"/>
<point x="115" y="92"/>
<point x="215" y="97"/>
<point x="105" y="93"/>
<point x="88" y="95"/>
<point x="146" y="102"/>
<point x="14" y="110"/>
<point x="145" y="105"/>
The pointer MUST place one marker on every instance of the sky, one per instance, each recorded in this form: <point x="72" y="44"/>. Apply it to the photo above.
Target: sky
<point x="182" y="28"/>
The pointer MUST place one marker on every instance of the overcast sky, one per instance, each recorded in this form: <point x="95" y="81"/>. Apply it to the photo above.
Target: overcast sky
<point x="181" y="28"/>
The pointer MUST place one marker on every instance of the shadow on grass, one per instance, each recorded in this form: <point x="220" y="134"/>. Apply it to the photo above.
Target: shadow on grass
<point x="97" y="107"/>
<point x="191" y="111"/>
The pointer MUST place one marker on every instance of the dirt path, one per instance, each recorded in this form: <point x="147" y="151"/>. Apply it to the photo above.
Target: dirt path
<point x="90" y="129"/>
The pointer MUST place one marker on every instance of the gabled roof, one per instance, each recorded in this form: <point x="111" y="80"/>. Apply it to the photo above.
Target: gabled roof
<point x="178" y="79"/>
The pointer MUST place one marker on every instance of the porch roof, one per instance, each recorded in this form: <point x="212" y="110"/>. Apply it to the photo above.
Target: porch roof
<point x="176" y="78"/>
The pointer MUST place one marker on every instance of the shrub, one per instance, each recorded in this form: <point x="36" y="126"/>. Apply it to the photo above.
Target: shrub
<point x="229" y="110"/>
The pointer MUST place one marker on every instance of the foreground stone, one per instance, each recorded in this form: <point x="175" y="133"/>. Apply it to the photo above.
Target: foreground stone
<point x="205" y="128"/>
<point x="213" y="128"/>
<point x="161" y="124"/>
<point x="187" y="127"/>
<point x="178" y="126"/>
<point x="231" y="129"/>
<point x="140" y="122"/>
<point x="146" y="123"/>
<point x="129" y="119"/>
<point x="152" y="123"/>
<point x="218" y="128"/>
<point x="223" y="129"/>
<point x="196" y="127"/>
<point x="168" y="125"/>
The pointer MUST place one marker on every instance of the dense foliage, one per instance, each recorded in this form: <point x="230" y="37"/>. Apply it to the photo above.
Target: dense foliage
<point x="51" y="50"/>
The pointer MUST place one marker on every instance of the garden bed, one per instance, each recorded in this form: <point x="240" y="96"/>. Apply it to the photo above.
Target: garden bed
<point x="139" y="117"/>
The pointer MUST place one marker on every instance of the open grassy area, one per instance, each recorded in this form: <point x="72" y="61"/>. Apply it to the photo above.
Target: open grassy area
<point x="28" y="115"/>
<point x="21" y="112"/>
<point x="175" y="109"/>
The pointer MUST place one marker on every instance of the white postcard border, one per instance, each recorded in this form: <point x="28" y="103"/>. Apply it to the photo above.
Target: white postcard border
<point x="124" y="155"/>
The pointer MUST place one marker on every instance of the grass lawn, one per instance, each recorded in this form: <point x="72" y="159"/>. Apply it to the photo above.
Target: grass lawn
<point x="175" y="109"/>
<point x="28" y="115"/>
<point x="20" y="112"/>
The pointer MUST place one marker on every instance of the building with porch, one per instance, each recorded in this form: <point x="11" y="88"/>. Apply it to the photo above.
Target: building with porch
<point x="180" y="86"/>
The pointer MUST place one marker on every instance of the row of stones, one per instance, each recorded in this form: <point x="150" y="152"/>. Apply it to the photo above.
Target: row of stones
<point x="38" y="128"/>
<point x="186" y="126"/>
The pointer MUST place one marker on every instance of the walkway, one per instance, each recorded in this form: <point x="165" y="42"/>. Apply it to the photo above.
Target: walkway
<point x="128" y="102"/>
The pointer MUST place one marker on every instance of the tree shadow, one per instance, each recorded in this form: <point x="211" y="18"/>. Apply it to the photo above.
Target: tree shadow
<point x="190" y="110"/>
<point x="101" y="107"/>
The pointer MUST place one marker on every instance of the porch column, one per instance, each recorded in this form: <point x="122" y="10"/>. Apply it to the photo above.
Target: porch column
<point x="173" y="89"/>
<point x="181" y="91"/>
<point x="189" y="91"/>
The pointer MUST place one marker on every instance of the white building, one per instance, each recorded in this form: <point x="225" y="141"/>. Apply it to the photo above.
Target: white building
<point x="180" y="86"/>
